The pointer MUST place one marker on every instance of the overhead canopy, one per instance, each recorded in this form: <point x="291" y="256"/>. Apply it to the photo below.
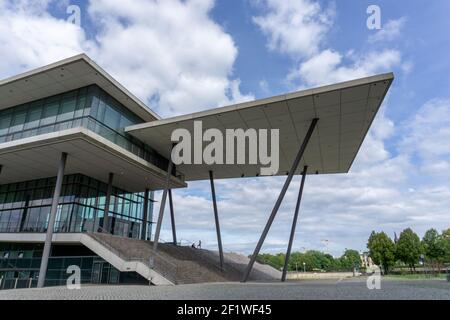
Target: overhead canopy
<point x="89" y="154"/>
<point x="69" y="74"/>
<point x="345" y="111"/>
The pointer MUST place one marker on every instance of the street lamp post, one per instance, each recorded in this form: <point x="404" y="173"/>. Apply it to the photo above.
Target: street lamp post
<point x="304" y="267"/>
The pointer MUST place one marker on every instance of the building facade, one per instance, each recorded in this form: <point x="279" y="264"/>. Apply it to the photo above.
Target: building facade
<point x="80" y="158"/>
<point x="84" y="201"/>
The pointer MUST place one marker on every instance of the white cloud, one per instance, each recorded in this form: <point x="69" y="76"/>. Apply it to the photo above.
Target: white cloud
<point x="389" y="32"/>
<point x="28" y="38"/>
<point x="295" y="27"/>
<point x="168" y="52"/>
<point x="426" y="136"/>
<point x="329" y="66"/>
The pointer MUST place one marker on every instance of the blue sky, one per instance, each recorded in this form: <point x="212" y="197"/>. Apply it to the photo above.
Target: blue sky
<point x="185" y="56"/>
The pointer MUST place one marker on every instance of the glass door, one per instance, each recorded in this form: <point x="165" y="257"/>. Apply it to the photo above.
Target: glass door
<point x="96" y="272"/>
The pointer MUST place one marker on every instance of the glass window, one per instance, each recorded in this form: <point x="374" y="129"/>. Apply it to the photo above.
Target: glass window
<point x="50" y="111"/>
<point x="112" y="118"/>
<point x="5" y="122"/>
<point x="18" y="120"/>
<point x="81" y="103"/>
<point x="34" y="116"/>
<point x="68" y="106"/>
<point x="31" y="220"/>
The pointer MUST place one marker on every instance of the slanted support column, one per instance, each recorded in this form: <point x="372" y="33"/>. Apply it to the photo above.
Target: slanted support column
<point x="172" y="219"/>
<point x="145" y="215"/>
<point x="51" y="221"/>
<point x="294" y="224"/>
<point x="162" y="205"/>
<point x="106" y="226"/>
<point x="291" y="173"/>
<point x="216" y="218"/>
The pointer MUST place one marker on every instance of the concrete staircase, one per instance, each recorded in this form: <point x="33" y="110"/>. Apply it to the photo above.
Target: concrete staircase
<point x="184" y="265"/>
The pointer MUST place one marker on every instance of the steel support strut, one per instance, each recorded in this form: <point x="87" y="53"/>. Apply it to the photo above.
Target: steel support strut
<point x="172" y="218"/>
<point x="106" y="227"/>
<point x="294" y="224"/>
<point x="291" y="173"/>
<point x="162" y="205"/>
<point x="145" y="215"/>
<point x="216" y="218"/>
<point x="51" y="221"/>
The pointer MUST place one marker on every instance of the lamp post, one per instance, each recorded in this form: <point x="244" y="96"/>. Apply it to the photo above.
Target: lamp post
<point x="304" y="267"/>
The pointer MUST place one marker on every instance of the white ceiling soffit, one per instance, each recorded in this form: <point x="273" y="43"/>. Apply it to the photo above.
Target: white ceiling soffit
<point x="65" y="75"/>
<point x="38" y="157"/>
<point x="345" y="111"/>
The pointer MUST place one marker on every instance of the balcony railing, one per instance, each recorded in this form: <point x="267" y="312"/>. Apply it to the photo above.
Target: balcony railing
<point x="127" y="142"/>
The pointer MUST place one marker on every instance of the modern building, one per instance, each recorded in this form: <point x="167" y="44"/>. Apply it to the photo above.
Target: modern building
<point x="80" y="157"/>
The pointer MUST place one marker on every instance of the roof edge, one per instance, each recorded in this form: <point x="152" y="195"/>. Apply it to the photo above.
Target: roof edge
<point x="239" y="106"/>
<point x="83" y="57"/>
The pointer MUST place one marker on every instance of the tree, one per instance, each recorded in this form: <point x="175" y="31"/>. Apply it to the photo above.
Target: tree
<point x="381" y="250"/>
<point x="446" y="236"/>
<point x="350" y="259"/>
<point x="435" y="247"/>
<point x="408" y="248"/>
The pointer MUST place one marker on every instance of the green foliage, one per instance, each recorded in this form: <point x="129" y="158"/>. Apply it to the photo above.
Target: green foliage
<point x="275" y="261"/>
<point x="350" y="259"/>
<point x="313" y="260"/>
<point x="435" y="246"/>
<point x="408" y="248"/>
<point x="381" y="250"/>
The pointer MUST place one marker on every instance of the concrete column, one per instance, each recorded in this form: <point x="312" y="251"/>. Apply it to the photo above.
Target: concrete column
<point x="294" y="224"/>
<point x="106" y="226"/>
<point x="145" y="215"/>
<point x="294" y="167"/>
<point x="172" y="219"/>
<point x="162" y="205"/>
<point x="51" y="222"/>
<point x="216" y="218"/>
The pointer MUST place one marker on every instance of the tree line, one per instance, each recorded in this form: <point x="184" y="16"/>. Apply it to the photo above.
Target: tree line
<point x="433" y="250"/>
<point x="408" y="250"/>
<point x="313" y="260"/>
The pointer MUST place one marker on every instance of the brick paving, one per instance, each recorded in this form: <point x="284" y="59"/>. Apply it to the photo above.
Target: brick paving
<point x="302" y="290"/>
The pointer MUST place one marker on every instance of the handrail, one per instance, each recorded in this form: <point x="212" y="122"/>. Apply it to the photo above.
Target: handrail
<point x="156" y="261"/>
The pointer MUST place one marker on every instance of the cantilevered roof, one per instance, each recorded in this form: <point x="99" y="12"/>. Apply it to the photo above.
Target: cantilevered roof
<point x="345" y="111"/>
<point x="88" y="153"/>
<point x="69" y="74"/>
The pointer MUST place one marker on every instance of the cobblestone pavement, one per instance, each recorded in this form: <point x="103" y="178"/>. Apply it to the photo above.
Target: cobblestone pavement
<point x="302" y="290"/>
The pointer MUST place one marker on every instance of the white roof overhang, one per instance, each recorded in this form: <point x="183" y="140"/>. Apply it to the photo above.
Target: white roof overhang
<point x="345" y="112"/>
<point x="69" y="74"/>
<point x="88" y="154"/>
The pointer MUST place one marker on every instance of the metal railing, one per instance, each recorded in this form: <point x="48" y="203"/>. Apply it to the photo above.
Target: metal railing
<point x="125" y="141"/>
<point x="148" y="256"/>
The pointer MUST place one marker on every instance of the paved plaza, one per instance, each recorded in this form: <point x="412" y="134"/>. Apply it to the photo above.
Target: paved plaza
<point x="354" y="289"/>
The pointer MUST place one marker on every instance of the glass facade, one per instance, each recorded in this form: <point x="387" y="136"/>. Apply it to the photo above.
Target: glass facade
<point x="89" y="107"/>
<point x="19" y="266"/>
<point x="25" y="207"/>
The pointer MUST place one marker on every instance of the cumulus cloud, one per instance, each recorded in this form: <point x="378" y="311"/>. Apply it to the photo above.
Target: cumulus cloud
<point x="426" y="136"/>
<point x="170" y="53"/>
<point x="295" y="27"/>
<point x="28" y="38"/>
<point x="389" y="32"/>
<point x="329" y="66"/>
